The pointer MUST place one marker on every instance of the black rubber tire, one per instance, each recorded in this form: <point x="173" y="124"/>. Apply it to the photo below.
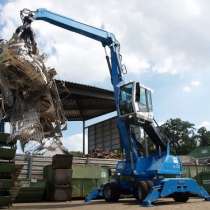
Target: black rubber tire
<point x="181" y="198"/>
<point x="145" y="188"/>
<point x="111" y="192"/>
<point x="150" y="184"/>
<point x="141" y="190"/>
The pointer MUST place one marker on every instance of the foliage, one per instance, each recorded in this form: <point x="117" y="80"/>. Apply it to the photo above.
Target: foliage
<point x="203" y="136"/>
<point x="182" y="135"/>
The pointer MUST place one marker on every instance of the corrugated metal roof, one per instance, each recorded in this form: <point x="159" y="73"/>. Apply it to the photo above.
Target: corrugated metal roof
<point x="83" y="102"/>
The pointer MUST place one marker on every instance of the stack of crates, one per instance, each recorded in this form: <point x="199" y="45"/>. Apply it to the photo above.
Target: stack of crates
<point x="58" y="177"/>
<point x="7" y="169"/>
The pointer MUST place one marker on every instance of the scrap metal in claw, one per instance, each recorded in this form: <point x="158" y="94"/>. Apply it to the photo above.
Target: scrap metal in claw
<point x="29" y="95"/>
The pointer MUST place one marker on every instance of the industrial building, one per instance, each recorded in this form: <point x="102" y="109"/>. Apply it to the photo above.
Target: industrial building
<point x="104" y="136"/>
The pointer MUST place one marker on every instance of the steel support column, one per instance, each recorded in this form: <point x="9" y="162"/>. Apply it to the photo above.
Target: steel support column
<point x="83" y="136"/>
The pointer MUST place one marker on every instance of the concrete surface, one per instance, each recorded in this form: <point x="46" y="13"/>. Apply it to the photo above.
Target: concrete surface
<point x="125" y="204"/>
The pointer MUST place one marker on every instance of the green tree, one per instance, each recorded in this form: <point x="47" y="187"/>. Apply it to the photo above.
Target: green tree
<point x="203" y="136"/>
<point x="181" y="135"/>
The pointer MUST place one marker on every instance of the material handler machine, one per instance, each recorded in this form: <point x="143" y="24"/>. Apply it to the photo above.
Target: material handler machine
<point x="146" y="177"/>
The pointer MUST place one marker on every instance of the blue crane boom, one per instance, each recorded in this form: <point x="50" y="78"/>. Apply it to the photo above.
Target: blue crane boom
<point x="140" y="175"/>
<point x="106" y="38"/>
<point x="100" y="35"/>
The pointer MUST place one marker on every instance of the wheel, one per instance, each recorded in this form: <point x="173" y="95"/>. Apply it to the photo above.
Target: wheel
<point x="150" y="184"/>
<point x="111" y="192"/>
<point x="141" y="190"/>
<point x="181" y="198"/>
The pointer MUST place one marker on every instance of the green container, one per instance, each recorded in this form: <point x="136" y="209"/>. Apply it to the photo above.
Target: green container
<point x="48" y="173"/>
<point x="7" y="167"/>
<point x="104" y="176"/>
<point x="33" y="193"/>
<point x="5" y="201"/>
<point x="4" y="137"/>
<point x="81" y="187"/>
<point x="86" y="172"/>
<point x="5" y="184"/>
<point x="7" y="153"/>
<point x="86" y="178"/>
<point x="4" y="140"/>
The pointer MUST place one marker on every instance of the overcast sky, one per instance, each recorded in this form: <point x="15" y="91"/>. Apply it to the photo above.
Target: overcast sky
<point x="164" y="44"/>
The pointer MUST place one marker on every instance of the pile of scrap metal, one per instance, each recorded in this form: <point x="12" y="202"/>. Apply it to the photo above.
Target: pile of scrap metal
<point x="29" y="96"/>
<point x="109" y="154"/>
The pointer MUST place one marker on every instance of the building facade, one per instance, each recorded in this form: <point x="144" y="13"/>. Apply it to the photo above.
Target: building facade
<point x="105" y="136"/>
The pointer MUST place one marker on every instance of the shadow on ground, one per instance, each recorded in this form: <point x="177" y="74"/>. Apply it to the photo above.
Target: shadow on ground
<point x="65" y="205"/>
<point x="163" y="202"/>
<point x="53" y="205"/>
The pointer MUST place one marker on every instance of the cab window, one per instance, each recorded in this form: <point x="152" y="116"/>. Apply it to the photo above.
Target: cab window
<point x="149" y="100"/>
<point x="143" y="98"/>
<point x="126" y="105"/>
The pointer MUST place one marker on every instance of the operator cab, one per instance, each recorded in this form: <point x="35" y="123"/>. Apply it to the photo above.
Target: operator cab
<point x="135" y="101"/>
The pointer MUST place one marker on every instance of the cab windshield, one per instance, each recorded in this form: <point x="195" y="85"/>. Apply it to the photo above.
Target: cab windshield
<point x="126" y="92"/>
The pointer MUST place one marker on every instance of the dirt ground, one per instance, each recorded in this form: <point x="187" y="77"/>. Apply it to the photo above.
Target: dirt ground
<point x="125" y="204"/>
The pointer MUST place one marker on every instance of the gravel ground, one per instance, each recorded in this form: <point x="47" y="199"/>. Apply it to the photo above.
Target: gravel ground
<point x="164" y="204"/>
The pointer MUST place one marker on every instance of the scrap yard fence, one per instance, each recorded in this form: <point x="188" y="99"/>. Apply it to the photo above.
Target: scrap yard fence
<point x="33" y="165"/>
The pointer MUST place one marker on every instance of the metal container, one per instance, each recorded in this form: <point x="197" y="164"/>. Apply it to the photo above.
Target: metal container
<point x="4" y="138"/>
<point x="7" y="167"/>
<point x="83" y="171"/>
<point x="7" y="153"/>
<point x="59" y="193"/>
<point x="32" y="193"/>
<point x="62" y="161"/>
<point x="57" y="176"/>
<point x="81" y="187"/>
<point x="62" y="176"/>
<point x="59" y="183"/>
<point x="85" y="178"/>
<point x="5" y="200"/>
<point x="5" y="184"/>
<point x="105" y="136"/>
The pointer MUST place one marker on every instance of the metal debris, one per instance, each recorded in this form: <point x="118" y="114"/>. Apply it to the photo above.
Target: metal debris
<point x="105" y="154"/>
<point x="29" y="96"/>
